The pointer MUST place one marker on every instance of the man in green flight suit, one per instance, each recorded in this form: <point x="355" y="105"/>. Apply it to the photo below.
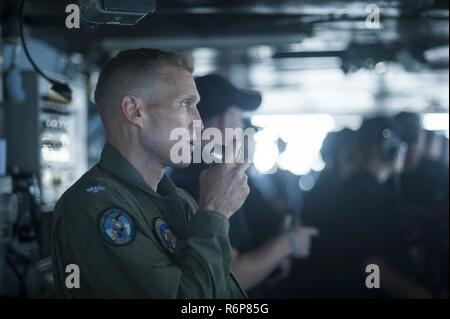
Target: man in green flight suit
<point x="125" y="226"/>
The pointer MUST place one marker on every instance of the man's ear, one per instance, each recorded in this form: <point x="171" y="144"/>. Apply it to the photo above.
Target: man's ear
<point x="132" y="108"/>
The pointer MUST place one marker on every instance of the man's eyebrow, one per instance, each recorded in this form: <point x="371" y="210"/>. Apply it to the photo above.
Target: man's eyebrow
<point x="193" y="96"/>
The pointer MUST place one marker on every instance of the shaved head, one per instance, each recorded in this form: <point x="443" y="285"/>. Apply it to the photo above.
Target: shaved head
<point x="133" y="72"/>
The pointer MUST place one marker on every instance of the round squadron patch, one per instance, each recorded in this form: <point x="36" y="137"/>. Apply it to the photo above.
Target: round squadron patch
<point x="117" y="227"/>
<point x="165" y="236"/>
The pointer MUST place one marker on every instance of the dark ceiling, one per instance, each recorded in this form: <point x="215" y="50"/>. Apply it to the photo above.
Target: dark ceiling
<point x="182" y="24"/>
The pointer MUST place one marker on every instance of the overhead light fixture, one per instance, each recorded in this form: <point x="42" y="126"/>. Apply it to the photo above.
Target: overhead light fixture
<point x="120" y="12"/>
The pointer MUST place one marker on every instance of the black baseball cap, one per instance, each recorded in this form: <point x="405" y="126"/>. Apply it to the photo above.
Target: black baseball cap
<point x="218" y="94"/>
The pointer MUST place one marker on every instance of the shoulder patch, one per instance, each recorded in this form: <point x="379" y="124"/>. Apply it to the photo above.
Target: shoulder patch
<point x="117" y="227"/>
<point x="165" y="236"/>
<point x="95" y="189"/>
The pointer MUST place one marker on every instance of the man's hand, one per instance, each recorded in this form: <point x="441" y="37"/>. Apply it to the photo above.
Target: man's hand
<point x="224" y="187"/>
<point x="302" y="235"/>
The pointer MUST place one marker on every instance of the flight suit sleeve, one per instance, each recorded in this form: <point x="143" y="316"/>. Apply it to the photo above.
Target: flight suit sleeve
<point x="199" y="268"/>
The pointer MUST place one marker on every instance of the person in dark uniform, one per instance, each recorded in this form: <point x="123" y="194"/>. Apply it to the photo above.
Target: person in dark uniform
<point x="424" y="181"/>
<point x="254" y="260"/>
<point x="369" y="228"/>
<point x="131" y="232"/>
<point x="424" y="190"/>
<point x="338" y="153"/>
<point x="310" y="278"/>
<point x="361" y="226"/>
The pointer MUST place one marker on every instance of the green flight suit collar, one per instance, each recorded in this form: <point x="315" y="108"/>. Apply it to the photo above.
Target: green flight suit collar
<point x="112" y="161"/>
